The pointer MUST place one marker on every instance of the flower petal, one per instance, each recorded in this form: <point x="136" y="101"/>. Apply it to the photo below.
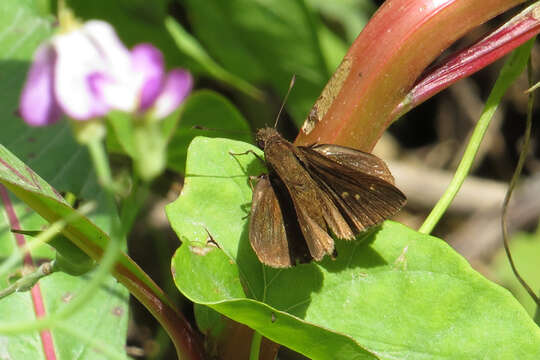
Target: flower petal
<point x="78" y="63"/>
<point x="118" y="86"/>
<point x="38" y="105"/>
<point x="178" y="84"/>
<point x="147" y="62"/>
<point x="111" y="49"/>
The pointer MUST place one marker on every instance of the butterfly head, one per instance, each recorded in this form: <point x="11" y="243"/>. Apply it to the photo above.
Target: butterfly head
<point x="266" y="135"/>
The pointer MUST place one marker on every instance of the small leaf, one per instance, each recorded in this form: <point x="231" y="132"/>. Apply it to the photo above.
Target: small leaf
<point x="69" y="258"/>
<point x="211" y="110"/>
<point x="191" y="47"/>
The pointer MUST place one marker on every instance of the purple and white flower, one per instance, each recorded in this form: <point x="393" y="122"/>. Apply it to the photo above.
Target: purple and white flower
<point x="87" y="72"/>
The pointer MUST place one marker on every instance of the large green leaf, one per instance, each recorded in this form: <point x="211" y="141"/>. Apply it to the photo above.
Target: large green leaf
<point x="352" y="15"/>
<point x="396" y="294"/>
<point x="53" y="154"/>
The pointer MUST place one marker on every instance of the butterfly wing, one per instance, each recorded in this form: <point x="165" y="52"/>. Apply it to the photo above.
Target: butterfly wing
<point x="363" y="199"/>
<point x="313" y="210"/>
<point x="363" y="162"/>
<point x="267" y="233"/>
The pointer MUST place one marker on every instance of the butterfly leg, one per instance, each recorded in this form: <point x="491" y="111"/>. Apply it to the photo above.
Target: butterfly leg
<point x="248" y="152"/>
<point x="251" y="178"/>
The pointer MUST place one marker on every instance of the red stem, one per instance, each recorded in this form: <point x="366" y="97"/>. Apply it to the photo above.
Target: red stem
<point x="187" y="341"/>
<point x="383" y="64"/>
<point x="468" y="61"/>
<point x="35" y="292"/>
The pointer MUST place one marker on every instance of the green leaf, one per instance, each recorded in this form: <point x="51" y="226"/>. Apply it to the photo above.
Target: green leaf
<point x="191" y="47"/>
<point x="41" y="197"/>
<point x="53" y="154"/>
<point x="397" y="294"/>
<point x="352" y="15"/>
<point x="265" y="42"/>
<point x="110" y="326"/>
<point x="69" y="258"/>
<point x="211" y="110"/>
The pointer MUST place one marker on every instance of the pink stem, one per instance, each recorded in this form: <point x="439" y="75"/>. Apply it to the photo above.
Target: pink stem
<point x="384" y="63"/>
<point x="468" y="61"/>
<point x="37" y="298"/>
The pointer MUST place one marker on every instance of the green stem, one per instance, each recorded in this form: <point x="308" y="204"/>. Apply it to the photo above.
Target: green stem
<point x="133" y="203"/>
<point x="511" y="70"/>
<point x="100" y="161"/>
<point x="460" y="174"/>
<point x="255" y="346"/>
<point x="512" y="186"/>
<point x="27" y="281"/>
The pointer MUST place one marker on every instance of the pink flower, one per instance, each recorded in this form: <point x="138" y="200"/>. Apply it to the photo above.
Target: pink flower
<point x="88" y="72"/>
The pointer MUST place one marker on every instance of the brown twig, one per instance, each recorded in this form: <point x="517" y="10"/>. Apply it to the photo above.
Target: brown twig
<point x="513" y="181"/>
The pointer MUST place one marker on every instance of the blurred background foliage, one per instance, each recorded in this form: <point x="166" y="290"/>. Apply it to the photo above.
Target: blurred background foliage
<point x="243" y="54"/>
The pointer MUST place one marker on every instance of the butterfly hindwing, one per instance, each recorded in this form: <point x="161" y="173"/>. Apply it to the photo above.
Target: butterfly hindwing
<point x="267" y="233"/>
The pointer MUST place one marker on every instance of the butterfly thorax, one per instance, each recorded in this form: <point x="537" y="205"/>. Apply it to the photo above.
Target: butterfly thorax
<point x="281" y="156"/>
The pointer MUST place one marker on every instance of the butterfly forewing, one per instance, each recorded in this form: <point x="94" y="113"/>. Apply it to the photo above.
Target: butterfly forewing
<point x="360" y="161"/>
<point x="365" y="200"/>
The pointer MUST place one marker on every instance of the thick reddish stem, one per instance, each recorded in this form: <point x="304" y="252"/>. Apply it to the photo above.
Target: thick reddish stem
<point x="466" y="62"/>
<point x="382" y="65"/>
<point x="187" y="341"/>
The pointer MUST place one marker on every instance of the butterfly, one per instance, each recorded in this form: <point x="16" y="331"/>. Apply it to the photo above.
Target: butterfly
<point x="311" y="192"/>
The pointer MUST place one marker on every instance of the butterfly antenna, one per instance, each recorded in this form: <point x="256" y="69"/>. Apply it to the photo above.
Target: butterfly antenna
<point x="293" y="79"/>
<point x="206" y="128"/>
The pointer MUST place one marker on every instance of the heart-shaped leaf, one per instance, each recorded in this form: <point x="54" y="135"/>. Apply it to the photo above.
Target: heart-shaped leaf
<point x="396" y="294"/>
